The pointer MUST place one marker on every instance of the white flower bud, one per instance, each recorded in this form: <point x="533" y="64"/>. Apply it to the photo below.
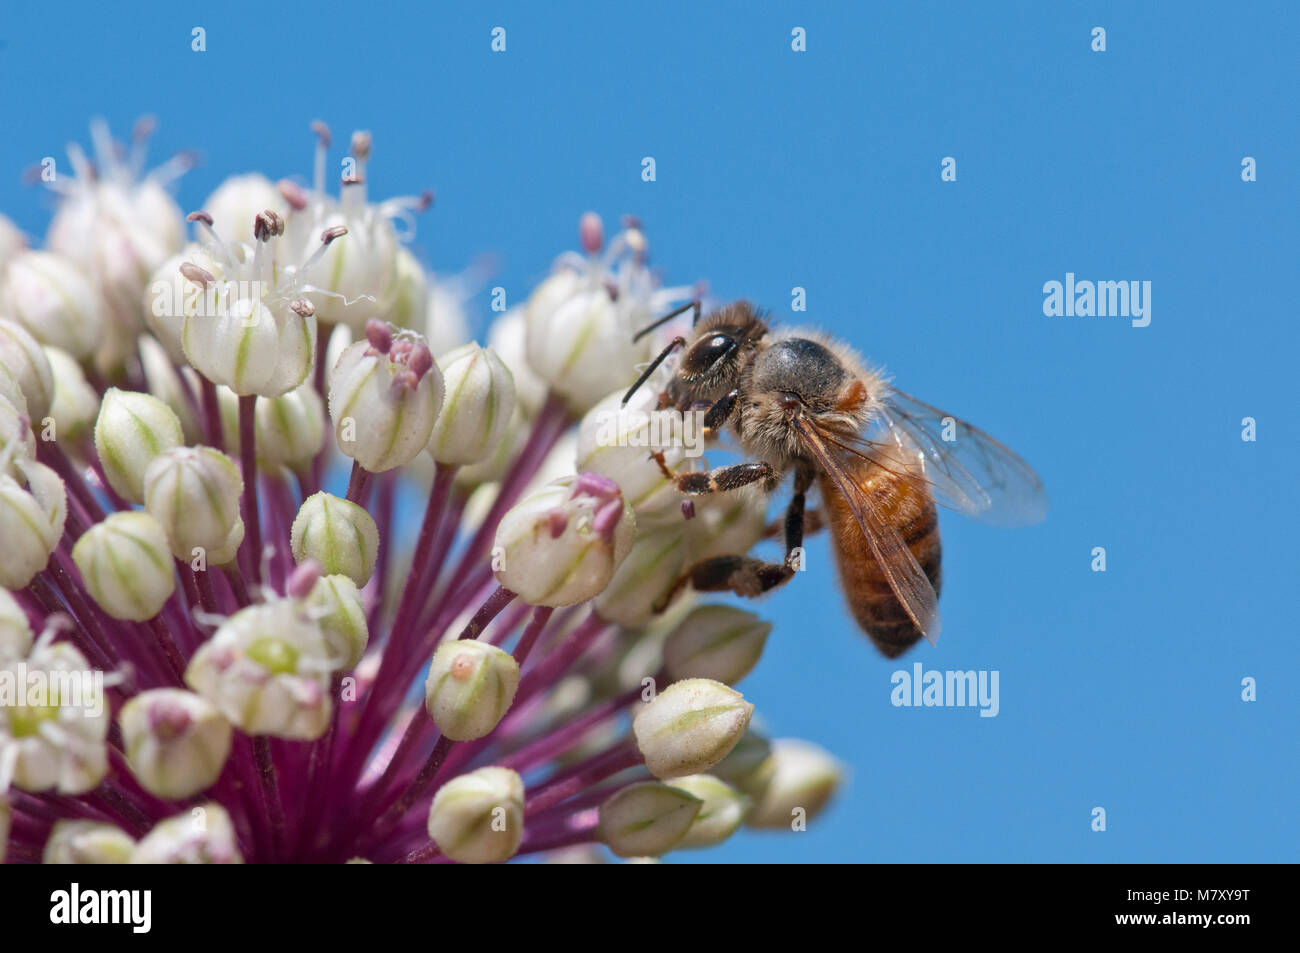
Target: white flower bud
<point x="336" y="603"/>
<point x="267" y="669"/>
<point x="118" y="232"/>
<point x="176" y="741"/>
<point x="54" y="736"/>
<point x="87" y="842"/>
<point x="716" y="641"/>
<point x="132" y="429"/>
<point x="478" y="818"/>
<point x="75" y="404"/>
<point x="290" y="428"/>
<point x="163" y="381"/>
<point x="202" y="835"/>
<point x="616" y="441"/>
<point x="263" y="346"/>
<point x="561" y="545"/>
<point x="480" y="399"/>
<point x="340" y="339"/>
<point x="583" y="348"/>
<point x="236" y="203"/>
<point x="802" y="779"/>
<point x="554" y="290"/>
<point x="497" y="464"/>
<point x="506" y="337"/>
<point x="410" y="293"/>
<point x="126" y="565"/>
<point x="338" y="534"/>
<point x="723" y="810"/>
<point x="33" y="506"/>
<point x="690" y="726"/>
<point x="384" y="394"/>
<point x="228" y="412"/>
<point x="15" y="629"/>
<point x="50" y="296"/>
<point x="194" y="493"/>
<point x="650" y="571"/>
<point x="169" y="294"/>
<point x="445" y="324"/>
<point x="647" y="819"/>
<point x="748" y="766"/>
<point x="23" y="358"/>
<point x="355" y="280"/>
<point x="470" y="688"/>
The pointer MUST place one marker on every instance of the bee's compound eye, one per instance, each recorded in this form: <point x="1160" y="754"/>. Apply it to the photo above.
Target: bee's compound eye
<point x="708" y="354"/>
<point x="713" y="349"/>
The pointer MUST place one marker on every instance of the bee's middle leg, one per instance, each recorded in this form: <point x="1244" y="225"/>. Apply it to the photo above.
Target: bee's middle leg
<point x="744" y="575"/>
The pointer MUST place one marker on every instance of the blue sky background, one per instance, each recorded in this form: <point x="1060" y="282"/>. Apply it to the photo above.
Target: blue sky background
<point x="821" y="169"/>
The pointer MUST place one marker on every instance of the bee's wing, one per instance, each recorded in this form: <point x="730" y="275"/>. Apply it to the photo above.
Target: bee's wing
<point x="970" y="471"/>
<point x="904" y="573"/>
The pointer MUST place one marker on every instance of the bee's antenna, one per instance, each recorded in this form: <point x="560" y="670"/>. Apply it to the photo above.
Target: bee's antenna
<point x="668" y="317"/>
<point x="673" y="345"/>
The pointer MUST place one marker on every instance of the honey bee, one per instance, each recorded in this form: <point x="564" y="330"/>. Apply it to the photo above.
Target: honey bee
<point x="803" y="403"/>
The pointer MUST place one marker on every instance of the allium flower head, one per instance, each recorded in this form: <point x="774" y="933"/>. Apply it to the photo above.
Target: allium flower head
<point x="240" y="548"/>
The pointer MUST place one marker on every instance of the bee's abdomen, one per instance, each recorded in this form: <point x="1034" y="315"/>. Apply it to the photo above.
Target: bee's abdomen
<point x="911" y="511"/>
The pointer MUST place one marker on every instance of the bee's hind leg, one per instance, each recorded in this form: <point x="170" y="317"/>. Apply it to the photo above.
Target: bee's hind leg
<point x="743" y="575"/>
